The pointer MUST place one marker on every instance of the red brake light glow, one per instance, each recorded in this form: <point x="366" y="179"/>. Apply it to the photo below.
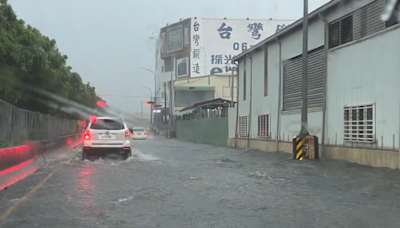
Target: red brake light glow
<point x="127" y="134"/>
<point x="87" y="135"/>
<point x="146" y="133"/>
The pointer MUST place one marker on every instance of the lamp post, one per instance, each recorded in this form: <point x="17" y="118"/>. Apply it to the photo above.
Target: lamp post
<point x="155" y="81"/>
<point x="151" y="107"/>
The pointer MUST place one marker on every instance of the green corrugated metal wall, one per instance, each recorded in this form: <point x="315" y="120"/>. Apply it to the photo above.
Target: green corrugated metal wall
<point x="213" y="131"/>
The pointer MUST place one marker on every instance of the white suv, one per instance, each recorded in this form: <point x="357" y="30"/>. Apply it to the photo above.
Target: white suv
<point x="106" y="135"/>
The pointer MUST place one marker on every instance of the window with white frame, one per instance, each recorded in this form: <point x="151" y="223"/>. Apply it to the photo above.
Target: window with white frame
<point x="359" y="123"/>
<point x="263" y="125"/>
<point x="243" y="127"/>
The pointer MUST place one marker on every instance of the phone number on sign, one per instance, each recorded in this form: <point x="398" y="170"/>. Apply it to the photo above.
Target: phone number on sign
<point x="243" y="46"/>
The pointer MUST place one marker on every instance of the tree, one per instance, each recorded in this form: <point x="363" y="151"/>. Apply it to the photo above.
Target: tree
<point x="31" y="62"/>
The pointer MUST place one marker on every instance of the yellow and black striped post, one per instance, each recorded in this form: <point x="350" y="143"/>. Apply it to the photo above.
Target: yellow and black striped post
<point x="305" y="147"/>
<point x="298" y="148"/>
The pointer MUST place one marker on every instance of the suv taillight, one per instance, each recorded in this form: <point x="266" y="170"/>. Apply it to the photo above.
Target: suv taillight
<point x="127" y="134"/>
<point x="87" y="135"/>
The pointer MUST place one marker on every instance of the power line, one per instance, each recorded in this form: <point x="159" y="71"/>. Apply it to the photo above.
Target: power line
<point x="127" y="96"/>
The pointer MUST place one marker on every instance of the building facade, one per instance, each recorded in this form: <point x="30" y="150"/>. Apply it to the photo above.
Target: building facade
<point x="353" y="80"/>
<point x="198" y="49"/>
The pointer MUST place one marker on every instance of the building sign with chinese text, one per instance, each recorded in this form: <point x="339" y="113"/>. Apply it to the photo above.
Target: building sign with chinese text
<point x="197" y="57"/>
<point x="222" y="39"/>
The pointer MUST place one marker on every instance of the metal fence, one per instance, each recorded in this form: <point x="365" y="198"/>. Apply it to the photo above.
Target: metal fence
<point x="18" y="125"/>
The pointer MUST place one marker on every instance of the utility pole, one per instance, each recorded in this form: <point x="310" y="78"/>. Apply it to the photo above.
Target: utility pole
<point x="171" y="92"/>
<point x="165" y="102"/>
<point x="304" y="81"/>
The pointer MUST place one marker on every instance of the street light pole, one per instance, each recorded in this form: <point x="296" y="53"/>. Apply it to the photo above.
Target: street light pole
<point x="151" y="106"/>
<point x="155" y="81"/>
<point x="304" y="108"/>
<point x="155" y="97"/>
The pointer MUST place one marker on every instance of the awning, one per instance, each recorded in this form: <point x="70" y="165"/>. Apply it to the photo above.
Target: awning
<point x="195" y="88"/>
<point x="187" y="111"/>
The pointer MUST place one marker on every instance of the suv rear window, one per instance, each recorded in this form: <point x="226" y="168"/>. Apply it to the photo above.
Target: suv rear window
<point x="107" y="124"/>
<point x="138" y="129"/>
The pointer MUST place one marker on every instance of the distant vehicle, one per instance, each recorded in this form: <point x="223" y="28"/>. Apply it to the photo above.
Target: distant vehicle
<point x="139" y="133"/>
<point x="106" y="135"/>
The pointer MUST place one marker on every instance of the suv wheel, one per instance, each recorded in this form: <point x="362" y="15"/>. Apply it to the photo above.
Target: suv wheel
<point x="84" y="155"/>
<point x="127" y="154"/>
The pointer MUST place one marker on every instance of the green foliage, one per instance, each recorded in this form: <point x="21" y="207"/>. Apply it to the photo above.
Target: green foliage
<point x="30" y="61"/>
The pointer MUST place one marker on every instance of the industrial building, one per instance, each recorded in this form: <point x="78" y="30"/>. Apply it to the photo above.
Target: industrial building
<point x="194" y="55"/>
<point x="353" y="86"/>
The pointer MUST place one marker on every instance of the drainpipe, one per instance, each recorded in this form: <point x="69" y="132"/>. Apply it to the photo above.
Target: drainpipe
<point x="251" y="101"/>
<point x="237" y="104"/>
<point x="232" y="85"/>
<point x="278" y="125"/>
<point x="325" y="83"/>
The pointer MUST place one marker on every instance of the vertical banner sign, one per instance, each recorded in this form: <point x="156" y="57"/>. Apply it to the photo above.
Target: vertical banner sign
<point x="196" y="52"/>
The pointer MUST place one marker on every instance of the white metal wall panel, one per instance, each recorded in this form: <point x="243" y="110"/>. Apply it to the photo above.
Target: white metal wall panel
<point x="291" y="46"/>
<point x="291" y="125"/>
<point x="361" y="74"/>
<point x="266" y="104"/>
<point x="244" y="105"/>
<point x="231" y="122"/>
<point x="345" y="8"/>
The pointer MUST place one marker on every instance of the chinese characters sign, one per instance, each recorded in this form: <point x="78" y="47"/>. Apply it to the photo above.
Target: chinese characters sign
<point x="196" y="52"/>
<point x="222" y="39"/>
<point x="225" y="31"/>
<point x="222" y="64"/>
<point x="255" y="29"/>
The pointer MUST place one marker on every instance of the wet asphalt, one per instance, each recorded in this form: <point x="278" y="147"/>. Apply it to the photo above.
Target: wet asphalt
<point x="173" y="184"/>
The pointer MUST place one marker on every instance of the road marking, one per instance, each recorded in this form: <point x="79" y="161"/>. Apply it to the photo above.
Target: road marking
<point x="11" y="209"/>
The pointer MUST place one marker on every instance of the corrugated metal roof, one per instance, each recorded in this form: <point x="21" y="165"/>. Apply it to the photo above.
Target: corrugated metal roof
<point x="288" y="29"/>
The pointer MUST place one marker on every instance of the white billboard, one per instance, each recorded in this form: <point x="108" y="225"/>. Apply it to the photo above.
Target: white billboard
<point x="221" y="39"/>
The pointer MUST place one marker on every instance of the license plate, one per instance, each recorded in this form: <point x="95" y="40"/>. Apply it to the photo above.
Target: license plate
<point x="105" y="136"/>
<point x="139" y="134"/>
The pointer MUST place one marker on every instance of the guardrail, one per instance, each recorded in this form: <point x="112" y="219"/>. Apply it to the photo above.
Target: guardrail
<point x="18" y="162"/>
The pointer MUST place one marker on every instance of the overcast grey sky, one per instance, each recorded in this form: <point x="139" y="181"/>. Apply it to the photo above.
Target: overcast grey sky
<point x="107" y="41"/>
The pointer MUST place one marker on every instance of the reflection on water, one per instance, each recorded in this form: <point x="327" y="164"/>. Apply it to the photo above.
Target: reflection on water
<point x="86" y="189"/>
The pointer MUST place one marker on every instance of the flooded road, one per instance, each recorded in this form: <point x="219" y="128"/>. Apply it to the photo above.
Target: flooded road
<point x="168" y="183"/>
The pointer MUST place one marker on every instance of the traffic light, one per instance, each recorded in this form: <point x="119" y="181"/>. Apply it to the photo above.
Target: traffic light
<point x="149" y="102"/>
<point x="154" y="107"/>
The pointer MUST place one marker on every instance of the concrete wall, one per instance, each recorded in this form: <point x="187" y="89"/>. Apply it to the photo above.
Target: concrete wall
<point x="212" y="131"/>
<point x="370" y="157"/>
